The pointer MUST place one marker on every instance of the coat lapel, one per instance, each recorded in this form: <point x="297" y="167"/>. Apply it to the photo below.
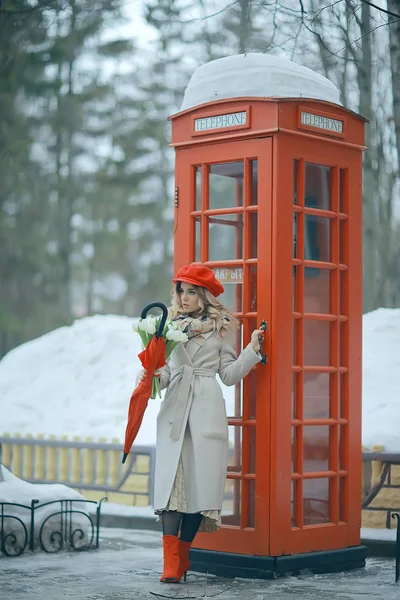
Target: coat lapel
<point x="193" y="346"/>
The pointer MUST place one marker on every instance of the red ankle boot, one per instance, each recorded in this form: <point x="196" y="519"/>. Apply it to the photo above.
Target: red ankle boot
<point x="184" y="565"/>
<point x="171" y="572"/>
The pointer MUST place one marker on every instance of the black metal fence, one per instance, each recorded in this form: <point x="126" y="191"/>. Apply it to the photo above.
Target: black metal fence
<point x="68" y="527"/>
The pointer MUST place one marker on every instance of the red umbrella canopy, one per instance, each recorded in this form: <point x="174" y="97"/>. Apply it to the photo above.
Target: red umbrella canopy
<point x="152" y="358"/>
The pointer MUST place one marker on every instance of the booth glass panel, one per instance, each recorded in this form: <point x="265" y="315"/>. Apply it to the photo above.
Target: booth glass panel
<point x="343" y="344"/>
<point x="343" y="292"/>
<point x="226" y="185"/>
<point x="342" y="448"/>
<point x="316" y="395"/>
<point x="343" y="200"/>
<point x="198" y="172"/>
<point x="295" y="405"/>
<point x="316" y="509"/>
<point x="197" y="243"/>
<point x="225" y="237"/>
<point x="251" y="383"/>
<point x="317" y="238"/>
<point x="232" y="297"/>
<point x="342" y="498"/>
<point x="316" y="448"/>
<point x="252" y="287"/>
<point x="317" y="187"/>
<point x="293" y="503"/>
<point x="316" y="342"/>
<point x="343" y="389"/>
<point x="253" y="216"/>
<point x="254" y="183"/>
<point x="231" y="504"/>
<point x="252" y="449"/>
<point x="252" y="503"/>
<point x="235" y="449"/>
<point x="343" y="241"/>
<point x="317" y="290"/>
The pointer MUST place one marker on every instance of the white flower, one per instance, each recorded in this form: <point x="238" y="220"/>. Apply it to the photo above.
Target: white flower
<point x="175" y="335"/>
<point x="135" y="326"/>
<point x="148" y="324"/>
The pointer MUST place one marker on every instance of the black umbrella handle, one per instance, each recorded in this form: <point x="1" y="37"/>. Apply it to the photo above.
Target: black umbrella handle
<point x="163" y="319"/>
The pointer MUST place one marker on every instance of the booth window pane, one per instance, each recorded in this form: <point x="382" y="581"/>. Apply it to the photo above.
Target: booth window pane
<point x="316" y="342"/>
<point x="253" y="234"/>
<point x="316" y="395"/>
<point x="198" y="188"/>
<point x="316" y="507"/>
<point x="343" y="395"/>
<point x="231" y="504"/>
<point x="252" y="286"/>
<point x="197" y="239"/>
<point x="254" y="182"/>
<point x="295" y="411"/>
<point x="226" y="237"/>
<point x="317" y="238"/>
<point x="232" y="297"/>
<point x="226" y="185"/>
<point x="317" y="187"/>
<point x="252" y="503"/>
<point x="295" y="339"/>
<point x="252" y="449"/>
<point x="343" y="462"/>
<point x="296" y="282"/>
<point x="343" y="241"/>
<point x="343" y="292"/>
<point x="342" y="498"/>
<point x="343" y="201"/>
<point x="343" y="344"/>
<point x="294" y="522"/>
<point x="316" y="448"/>
<point x="235" y="449"/>
<point x="317" y="289"/>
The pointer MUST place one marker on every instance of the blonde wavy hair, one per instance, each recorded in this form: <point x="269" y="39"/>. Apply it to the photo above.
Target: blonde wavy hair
<point x="223" y="319"/>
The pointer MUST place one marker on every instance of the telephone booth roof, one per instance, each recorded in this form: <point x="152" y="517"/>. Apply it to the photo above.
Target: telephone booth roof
<point x="268" y="91"/>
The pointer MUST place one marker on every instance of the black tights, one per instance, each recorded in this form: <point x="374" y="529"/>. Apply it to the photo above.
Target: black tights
<point x="188" y="523"/>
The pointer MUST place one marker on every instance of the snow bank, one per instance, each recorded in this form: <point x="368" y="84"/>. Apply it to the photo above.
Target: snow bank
<point x="15" y="490"/>
<point x="257" y="75"/>
<point x="381" y="379"/>
<point x="77" y="381"/>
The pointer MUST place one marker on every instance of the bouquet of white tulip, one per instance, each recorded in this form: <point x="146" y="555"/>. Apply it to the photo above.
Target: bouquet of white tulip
<point x="172" y="335"/>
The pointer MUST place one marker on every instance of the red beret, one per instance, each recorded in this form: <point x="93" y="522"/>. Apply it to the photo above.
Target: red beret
<point x="201" y="276"/>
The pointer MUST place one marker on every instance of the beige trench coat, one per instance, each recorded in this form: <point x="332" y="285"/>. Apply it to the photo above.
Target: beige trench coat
<point x="192" y="420"/>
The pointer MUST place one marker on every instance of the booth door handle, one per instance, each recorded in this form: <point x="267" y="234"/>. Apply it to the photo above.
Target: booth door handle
<point x="264" y="357"/>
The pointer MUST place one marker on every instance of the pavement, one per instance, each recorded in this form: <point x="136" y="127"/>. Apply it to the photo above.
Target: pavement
<point x="127" y="566"/>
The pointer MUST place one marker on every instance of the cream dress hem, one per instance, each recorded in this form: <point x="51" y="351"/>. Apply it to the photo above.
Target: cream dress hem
<point x="211" y="520"/>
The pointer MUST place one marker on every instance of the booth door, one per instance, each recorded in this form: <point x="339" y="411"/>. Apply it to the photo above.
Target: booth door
<point x="223" y="220"/>
<point x="316" y="481"/>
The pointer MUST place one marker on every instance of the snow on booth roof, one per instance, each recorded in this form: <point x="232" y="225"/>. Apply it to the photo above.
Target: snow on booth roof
<point x="256" y="75"/>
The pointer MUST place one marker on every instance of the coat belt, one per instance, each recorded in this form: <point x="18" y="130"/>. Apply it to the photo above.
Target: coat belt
<point x="185" y="374"/>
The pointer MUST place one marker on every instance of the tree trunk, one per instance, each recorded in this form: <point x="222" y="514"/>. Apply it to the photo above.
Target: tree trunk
<point x="394" y="41"/>
<point x="364" y="76"/>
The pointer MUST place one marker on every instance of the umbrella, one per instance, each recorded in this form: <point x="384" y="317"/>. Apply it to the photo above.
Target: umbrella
<point x="152" y="358"/>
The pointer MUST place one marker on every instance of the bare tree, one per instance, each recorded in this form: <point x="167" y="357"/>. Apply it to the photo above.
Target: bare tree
<point x="394" y="38"/>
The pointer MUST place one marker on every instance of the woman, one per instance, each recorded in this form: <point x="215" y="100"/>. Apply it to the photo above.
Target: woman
<point x="192" y="427"/>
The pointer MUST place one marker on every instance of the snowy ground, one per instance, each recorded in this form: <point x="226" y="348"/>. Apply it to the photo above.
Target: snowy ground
<point x="127" y="567"/>
<point x="78" y="380"/>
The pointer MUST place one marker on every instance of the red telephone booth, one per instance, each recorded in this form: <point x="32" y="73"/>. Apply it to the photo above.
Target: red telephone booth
<point x="268" y="193"/>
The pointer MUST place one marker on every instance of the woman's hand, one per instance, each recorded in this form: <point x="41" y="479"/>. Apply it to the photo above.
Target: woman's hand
<point x="140" y="376"/>
<point x="256" y="337"/>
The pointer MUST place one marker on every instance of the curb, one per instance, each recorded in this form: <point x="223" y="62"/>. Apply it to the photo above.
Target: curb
<point x="127" y="522"/>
